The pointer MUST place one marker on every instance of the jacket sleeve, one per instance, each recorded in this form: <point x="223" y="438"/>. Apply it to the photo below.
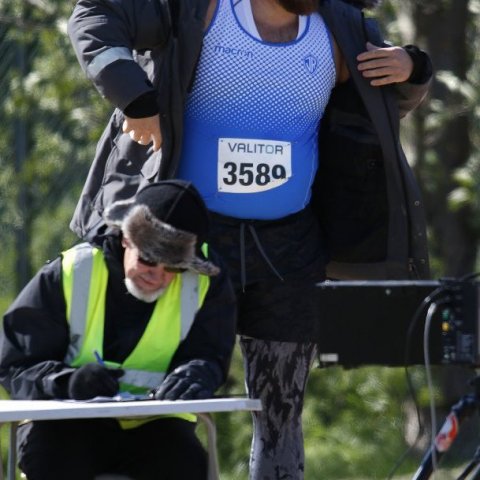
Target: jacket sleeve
<point x="108" y="34"/>
<point x="35" y="339"/>
<point x="212" y="336"/>
<point x="411" y="93"/>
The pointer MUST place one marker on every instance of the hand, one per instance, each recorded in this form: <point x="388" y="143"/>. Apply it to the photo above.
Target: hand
<point x="93" y="380"/>
<point x="385" y="65"/>
<point x="144" y="130"/>
<point x="187" y="382"/>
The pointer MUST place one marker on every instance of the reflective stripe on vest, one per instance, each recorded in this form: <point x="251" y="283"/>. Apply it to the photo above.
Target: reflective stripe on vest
<point x="106" y="58"/>
<point x="141" y="379"/>
<point x="85" y="278"/>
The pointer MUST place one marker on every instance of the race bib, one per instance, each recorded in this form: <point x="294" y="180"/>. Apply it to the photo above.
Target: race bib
<point x="250" y="166"/>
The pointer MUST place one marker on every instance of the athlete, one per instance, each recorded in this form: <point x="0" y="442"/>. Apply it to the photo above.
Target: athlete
<point x="284" y="114"/>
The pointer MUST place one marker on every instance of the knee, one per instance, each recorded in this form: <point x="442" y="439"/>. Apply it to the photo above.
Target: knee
<point x="193" y="465"/>
<point x="40" y="456"/>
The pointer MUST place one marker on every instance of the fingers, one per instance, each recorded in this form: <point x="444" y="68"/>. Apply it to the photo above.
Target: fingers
<point x="163" y="390"/>
<point x="135" y="133"/>
<point x="107" y="387"/>
<point x="157" y="141"/>
<point x="181" y="389"/>
<point x="144" y="131"/>
<point x="141" y="139"/>
<point x="172" y="390"/>
<point x="116" y="372"/>
<point x="91" y="380"/>
<point x="196" y="392"/>
<point x="385" y="66"/>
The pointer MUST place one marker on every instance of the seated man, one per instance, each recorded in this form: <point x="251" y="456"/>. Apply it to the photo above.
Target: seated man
<point x="148" y="311"/>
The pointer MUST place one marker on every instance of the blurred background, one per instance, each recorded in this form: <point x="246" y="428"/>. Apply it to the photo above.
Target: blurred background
<point x="358" y="422"/>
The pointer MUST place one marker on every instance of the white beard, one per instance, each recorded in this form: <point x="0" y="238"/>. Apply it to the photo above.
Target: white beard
<point x="141" y="295"/>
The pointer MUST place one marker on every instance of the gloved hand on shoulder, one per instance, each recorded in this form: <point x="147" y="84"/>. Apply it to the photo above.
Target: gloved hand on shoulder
<point x="93" y="380"/>
<point x="195" y="380"/>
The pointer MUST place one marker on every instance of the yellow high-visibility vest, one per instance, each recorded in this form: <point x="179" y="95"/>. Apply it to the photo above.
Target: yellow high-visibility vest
<point x="85" y="278"/>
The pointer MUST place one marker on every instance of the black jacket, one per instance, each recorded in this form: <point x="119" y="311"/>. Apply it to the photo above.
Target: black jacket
<point x="36" y="333"/>
<point x="365" y="194"/>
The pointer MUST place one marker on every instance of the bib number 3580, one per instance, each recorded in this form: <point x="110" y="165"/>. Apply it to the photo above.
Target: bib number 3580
<point x="249" y="166"/>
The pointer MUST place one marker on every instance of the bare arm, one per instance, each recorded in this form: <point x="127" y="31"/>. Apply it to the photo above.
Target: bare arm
<point x="210" y="12"/>
<point x="340" y="64"/>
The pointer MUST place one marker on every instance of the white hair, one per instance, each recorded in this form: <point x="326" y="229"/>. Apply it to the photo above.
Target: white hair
<point x="140" y="294"/>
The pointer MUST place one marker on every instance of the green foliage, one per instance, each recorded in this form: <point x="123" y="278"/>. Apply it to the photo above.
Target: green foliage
<point x="354" y="423"/>
<point x="52" y="120"/>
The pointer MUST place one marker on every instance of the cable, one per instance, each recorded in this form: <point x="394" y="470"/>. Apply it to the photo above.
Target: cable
<point x="469" y="276"/>
<point x="404" y="455"/>
<point x="426" y="301"/>
<point x="411" y="390"/>
<point x="428" y="372"/>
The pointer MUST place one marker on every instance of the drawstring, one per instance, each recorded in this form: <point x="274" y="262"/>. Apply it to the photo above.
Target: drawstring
<point x="262" y="251"/>
<point x="243" y="270"/>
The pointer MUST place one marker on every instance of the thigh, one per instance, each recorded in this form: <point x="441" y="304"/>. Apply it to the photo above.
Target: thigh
<point x="282" y="311"/>
<point x="290" y="245"/>
<point x="167" y="448"/>
<point x="73" y="449"/>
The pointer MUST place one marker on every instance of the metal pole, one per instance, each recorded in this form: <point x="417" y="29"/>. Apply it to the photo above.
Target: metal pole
<point x="465" y="407"/>
<point x="20" y="132"/>
<point x="12" y="452"/>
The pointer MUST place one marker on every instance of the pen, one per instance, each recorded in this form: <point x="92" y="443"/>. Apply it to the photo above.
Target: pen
<point x="99" y="358"/>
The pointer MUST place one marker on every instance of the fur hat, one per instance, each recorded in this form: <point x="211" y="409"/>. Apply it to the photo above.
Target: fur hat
<point x="166" y="222"/>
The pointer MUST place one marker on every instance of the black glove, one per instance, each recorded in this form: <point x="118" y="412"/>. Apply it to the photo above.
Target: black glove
<point x="192" y="381"/>
<point x="93" y="380"/>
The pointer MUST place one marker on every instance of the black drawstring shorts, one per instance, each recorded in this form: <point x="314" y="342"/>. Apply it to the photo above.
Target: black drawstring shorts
<point x="274" y="265"/>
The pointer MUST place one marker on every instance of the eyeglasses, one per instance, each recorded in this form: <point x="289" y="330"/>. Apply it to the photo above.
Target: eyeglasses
<point x="167" y="268"/>
<point x="174" y="269"/>
<point x="149" y="263"/>
<point x="146" y="262"/>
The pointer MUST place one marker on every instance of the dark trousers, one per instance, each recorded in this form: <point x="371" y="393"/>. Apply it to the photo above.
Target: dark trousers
<point x="165" y="449"/>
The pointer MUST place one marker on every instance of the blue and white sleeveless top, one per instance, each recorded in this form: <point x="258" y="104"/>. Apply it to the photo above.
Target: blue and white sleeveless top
<point x="252" y="118"/>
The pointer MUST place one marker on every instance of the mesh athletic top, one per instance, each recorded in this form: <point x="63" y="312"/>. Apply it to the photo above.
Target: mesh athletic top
<point x="252" y="117"/>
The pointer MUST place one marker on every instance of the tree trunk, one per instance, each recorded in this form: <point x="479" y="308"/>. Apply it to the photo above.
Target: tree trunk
<point x="442" y="27"/>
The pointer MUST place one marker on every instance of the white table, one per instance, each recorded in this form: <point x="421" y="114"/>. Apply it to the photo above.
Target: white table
<point x="14" y="411"/>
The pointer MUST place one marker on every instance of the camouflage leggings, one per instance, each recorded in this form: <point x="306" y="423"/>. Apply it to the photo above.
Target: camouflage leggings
<point x="277" y="373"/>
